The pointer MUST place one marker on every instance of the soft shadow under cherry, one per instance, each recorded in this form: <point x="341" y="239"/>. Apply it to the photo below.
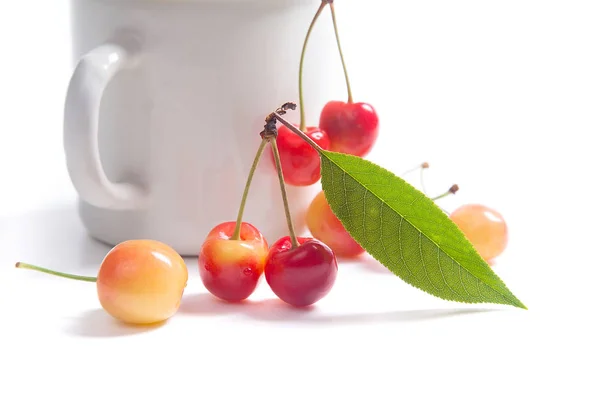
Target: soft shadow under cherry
<point x="207" y="304"/>
<point x="97" y="323"/>
<point x="402" y="316"/>
<point x="276" y="311"/>
<point x="268" y="310"/>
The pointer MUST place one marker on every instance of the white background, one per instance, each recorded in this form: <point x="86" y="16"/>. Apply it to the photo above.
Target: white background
<point x="502" y="98"/>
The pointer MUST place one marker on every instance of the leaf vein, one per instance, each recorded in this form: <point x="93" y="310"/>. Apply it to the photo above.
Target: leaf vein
<point x="442" y="273"/>
<point x="402" y="252"/>
<point x="423" y="262"/>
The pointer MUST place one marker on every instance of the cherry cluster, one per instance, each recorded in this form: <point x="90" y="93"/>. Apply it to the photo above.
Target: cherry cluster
<point x="234" y="256"/>
<point x="142" y="281"/>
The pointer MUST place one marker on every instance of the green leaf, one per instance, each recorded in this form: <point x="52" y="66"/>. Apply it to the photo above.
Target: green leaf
<point x="407" y="232"/>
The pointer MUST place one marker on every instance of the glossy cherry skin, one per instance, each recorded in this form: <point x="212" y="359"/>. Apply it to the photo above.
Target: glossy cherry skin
<point x="352" y="128"/>
<point x="325" y="226"/>
<point x="303" y="275"/>
<point x="231" y="269"/>
<point x="141" y="281"/>
<point x="484" y="227"/>
<point x="300" y="163"/>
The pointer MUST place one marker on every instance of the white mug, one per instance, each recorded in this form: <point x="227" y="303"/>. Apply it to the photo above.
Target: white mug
<point x="164" y="109"/>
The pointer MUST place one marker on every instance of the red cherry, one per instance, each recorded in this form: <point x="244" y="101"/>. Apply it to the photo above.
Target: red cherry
<point x="230" y="269"/>
<point x="301" y="164"/>
<point x="352" y="128"/>
<point x="303" y="275"/>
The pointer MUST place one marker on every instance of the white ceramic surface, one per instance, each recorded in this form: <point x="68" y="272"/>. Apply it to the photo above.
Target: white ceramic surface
<point x="164" y="108"/>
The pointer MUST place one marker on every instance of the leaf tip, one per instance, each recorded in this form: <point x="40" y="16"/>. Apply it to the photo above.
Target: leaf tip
<point x="517" y="303"/>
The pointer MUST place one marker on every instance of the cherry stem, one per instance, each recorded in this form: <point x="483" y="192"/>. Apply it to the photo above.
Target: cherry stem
<point x="423" y="180"/>
<point x="337" y="38"/>
<point x="238" y="223"/>
<point x="298" y="132"/>
<point x="288" y="215"/>
<point x="300" y="91"/>
<point x="450" y="191"/>
<point x="418" y="167"/>
<point x="56" y="273"/>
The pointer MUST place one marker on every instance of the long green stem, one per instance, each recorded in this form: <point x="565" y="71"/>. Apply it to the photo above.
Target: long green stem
<point x="238" y="224"/>
<point x="288" y="215"/>
<point x="337" y="38"/>
<point x="300" y="133"/>
<point x="56" y="273"/>
<point x="301" y="69"/>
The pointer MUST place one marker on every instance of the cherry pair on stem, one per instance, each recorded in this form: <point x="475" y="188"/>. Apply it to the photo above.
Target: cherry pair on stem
<point x="345" y="127"/>
<point x="234" y="256"/>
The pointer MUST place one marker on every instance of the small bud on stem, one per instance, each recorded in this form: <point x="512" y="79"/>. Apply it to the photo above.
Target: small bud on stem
<point x="453" y="189"/>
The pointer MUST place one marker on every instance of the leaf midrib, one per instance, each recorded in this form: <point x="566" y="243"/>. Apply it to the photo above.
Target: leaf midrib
<point x="421" y="232"/>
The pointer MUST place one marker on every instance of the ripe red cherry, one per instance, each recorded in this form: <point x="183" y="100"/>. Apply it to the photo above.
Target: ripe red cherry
<point x="301" y="164"/>
<point x="230" y="269"/>
<point x="352" y="128"/>
<point x="303" y="275"/>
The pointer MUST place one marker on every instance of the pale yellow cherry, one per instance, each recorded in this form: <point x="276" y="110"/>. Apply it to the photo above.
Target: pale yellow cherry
<point x="484" y="227"/>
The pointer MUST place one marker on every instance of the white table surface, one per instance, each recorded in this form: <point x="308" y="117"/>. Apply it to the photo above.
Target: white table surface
<point x="502" y="98"/>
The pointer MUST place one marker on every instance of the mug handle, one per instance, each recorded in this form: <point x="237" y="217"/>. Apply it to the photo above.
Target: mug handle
<point x="90" y="78"/>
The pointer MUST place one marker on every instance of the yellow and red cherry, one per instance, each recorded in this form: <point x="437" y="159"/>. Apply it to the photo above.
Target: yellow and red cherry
<point x="142" y="281"/>
<point x="301" y="275"/>
<point x="230" y="269"/>
<point x="485" y="228"/>
<point x="301" y="163"/>
<point x="232" y="257"/>
<point x="139" y="281"/>
<point x="326" y="227"/>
